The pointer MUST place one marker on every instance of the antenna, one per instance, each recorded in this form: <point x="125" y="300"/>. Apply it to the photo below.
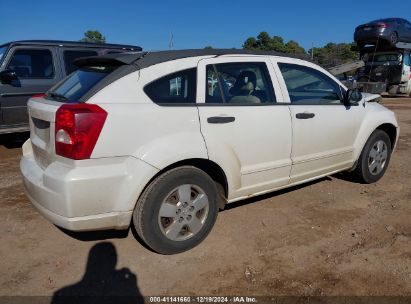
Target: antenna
<point x="171" y="42"/>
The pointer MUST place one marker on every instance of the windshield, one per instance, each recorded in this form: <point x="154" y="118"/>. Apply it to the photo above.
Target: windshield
<point x="78" y="83"/>
<point x="2" y="52"/>
<point x="385" y="58"/>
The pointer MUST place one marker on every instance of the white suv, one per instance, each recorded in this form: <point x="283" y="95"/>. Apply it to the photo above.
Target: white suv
<point x="163" y="140"/>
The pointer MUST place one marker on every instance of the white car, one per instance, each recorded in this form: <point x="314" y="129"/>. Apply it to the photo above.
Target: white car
<point x="140" y="139"/>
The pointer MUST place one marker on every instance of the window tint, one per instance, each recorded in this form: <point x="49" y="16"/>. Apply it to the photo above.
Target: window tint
<point x="32" y="63"/>
<point x="238" y="83"/>
<point x="2" y="52"/>
<point x="407" y="59"/>
<point x="79" y="83"/>
<point x="175" y="88"/>
<point x="309" y="86"/>
<point x="70" y="56"/>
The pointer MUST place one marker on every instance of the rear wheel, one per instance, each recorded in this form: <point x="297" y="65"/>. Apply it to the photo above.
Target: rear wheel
<point x="374" y="158"/>
<point x="177" y="210"/>
<point x="394" y="38"/>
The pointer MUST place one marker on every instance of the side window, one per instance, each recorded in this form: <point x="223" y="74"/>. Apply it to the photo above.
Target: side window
<point x="239" y="83"/>
<point x="407" y="59"/>
<point x="175" y="88"/>
<point x="32" y="63"/>
<point x="309" y="86"/>
<point x="70" y="56"/>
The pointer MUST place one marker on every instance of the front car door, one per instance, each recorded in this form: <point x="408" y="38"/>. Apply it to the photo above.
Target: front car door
<point x="246" y="127"/>
<point x="324" y="130"/>
<point x="36" y="72"/>
<point x="406" y="67"/>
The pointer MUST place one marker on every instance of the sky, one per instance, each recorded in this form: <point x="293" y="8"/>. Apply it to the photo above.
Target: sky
<point x="193" y="24"/>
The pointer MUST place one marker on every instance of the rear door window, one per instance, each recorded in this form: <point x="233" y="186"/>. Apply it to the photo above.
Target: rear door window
<point x="70" y="56"/>
<point x="239" y="83"/>
<point x="79" y="83"/>
<point x="32" y="64"/>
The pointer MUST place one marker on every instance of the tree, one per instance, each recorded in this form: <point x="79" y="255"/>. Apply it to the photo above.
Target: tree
<point x="208" y="47"/>
<point x="276" y="43"/>
<point x="94" y="37"/>
<point x="334" y="54"/>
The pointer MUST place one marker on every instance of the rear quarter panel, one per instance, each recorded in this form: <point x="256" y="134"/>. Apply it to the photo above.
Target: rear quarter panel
<point x="136" y="126"/>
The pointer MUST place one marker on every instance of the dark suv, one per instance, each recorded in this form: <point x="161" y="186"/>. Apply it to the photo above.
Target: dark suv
<point x="29" y="68"/>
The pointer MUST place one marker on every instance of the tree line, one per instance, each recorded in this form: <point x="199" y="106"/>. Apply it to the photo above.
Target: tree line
<point x="327" y="55"/>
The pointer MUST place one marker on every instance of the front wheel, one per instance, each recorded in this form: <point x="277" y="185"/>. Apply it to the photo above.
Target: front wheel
<point x="177" y="210"/>
<point x="374" y="158"/>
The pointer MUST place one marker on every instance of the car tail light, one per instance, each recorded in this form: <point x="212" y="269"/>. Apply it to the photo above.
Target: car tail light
<point x="38" y="95"/>
<point x="77" y="129"/>
<point x="382" y="25"/>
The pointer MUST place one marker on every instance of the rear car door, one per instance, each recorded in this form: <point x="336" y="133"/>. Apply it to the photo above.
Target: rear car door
<point x="246" y="127"/>
<point x="324" y="130"/>
<point x="406" y="68"/>
<point x="37" y="70"/>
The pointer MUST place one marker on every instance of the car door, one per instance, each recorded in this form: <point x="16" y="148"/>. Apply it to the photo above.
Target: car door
<point x="36" y="72"/>
<point x="406" y="67"/>
<point x="245" y="124"/>
<point x="324" y="129"/>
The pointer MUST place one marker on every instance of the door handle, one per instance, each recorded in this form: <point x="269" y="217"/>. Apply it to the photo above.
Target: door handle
<point x="220" y="119"/>
<point x="304" y="115"/>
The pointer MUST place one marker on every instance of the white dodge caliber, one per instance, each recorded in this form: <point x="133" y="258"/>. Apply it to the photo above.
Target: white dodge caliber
<point x="163" y="140"/>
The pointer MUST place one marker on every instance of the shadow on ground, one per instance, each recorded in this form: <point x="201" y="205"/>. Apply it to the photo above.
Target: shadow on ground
<point x="13" y="141"/>
<point x="102" y="282"/>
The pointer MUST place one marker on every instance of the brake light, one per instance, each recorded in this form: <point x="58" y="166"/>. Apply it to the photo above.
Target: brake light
<point x="38" y="95"/>
<point x="77" y="129"/>
<point x="382" y="25"/>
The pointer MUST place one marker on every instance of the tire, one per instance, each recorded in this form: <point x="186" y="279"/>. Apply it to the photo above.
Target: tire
<point x="374" y="158"/>
<point x="393" y="38"/>
<point x="187" y="199"/>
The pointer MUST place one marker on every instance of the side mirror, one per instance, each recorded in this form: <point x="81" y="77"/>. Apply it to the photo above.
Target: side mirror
<point x="352" y="97"/>
<point x="7" y="76"/>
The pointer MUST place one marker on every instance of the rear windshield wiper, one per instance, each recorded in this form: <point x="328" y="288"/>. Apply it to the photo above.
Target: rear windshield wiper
<point x="57" y="96"/>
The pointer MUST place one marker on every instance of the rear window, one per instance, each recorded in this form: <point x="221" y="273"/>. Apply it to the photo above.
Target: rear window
<point x="2" y="52"/>
<point x="70" y="56"/>
<point x="79" y="83"/>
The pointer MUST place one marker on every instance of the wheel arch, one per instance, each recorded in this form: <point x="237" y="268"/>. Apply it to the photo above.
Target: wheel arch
<point x="209" y="167"/>
<point x="391" y="131"/>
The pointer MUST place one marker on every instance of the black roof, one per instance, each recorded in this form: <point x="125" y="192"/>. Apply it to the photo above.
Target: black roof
<point x="146" y="59"/>
<point x="74" y="44"/>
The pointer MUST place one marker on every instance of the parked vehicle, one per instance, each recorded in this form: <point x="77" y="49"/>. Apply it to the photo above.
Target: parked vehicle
<point x="389" y="30"/>
<point x="32" y="67"/>
<point x="386" y="71"/>
<point x="141" y="139"/>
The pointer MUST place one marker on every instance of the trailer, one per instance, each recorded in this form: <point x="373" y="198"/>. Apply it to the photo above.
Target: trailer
<point x="380" y="69"/>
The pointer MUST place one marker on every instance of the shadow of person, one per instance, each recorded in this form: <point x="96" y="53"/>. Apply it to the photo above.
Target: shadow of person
<point x="102" y="283"/>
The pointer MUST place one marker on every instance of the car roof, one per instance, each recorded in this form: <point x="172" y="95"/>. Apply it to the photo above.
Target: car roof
<point x="145" y="59"/>
<point x="74" y="44"/>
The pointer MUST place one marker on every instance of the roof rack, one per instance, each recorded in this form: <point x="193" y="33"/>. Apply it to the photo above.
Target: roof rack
<point x="75" y="44"/>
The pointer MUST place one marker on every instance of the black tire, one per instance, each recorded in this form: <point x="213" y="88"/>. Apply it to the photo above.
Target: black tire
<point x="150" y="227"/>
<point x="362" y="172"/>
<point x="393" y="38"/>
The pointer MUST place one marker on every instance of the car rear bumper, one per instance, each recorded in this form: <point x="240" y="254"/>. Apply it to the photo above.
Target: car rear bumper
<point x="92" y="194"/>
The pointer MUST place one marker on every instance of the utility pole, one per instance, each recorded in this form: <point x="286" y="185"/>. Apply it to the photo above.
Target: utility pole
<point x="171" y="42"/>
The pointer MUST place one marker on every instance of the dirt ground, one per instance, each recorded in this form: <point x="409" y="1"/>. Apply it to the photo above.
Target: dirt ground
<point x="330" y="237"/>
